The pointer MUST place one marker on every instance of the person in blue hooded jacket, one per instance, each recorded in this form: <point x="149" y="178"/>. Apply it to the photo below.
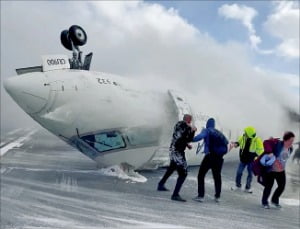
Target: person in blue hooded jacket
<point x="214" y="149"/>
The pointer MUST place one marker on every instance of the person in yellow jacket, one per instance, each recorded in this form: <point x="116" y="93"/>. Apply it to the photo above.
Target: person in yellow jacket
<point x="251" y="146"/>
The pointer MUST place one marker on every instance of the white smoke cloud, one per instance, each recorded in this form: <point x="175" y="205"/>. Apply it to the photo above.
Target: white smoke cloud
<point x="155" y="45"/>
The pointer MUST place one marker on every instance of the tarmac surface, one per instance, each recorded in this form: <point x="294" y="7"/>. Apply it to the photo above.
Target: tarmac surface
<point x="47" y="184"/>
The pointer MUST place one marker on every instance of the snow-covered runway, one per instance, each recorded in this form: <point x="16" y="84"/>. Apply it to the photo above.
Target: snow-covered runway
<point x="47" y="184"/>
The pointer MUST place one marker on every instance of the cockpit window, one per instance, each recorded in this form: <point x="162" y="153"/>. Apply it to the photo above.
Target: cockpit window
<point x="105" y="141"/>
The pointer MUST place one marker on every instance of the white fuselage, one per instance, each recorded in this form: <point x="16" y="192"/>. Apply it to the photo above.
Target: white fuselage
<point x="109" y="118"/>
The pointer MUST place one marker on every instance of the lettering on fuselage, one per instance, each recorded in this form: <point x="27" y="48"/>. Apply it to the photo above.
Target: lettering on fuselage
<point x="103" y="81"/>
<point x="106" y="81"/>
<point x="56" y="61"/>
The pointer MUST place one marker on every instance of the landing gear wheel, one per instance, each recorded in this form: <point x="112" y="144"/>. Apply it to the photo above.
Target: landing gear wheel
<point x="77" y="35"/>
<point x="65" y="39"/>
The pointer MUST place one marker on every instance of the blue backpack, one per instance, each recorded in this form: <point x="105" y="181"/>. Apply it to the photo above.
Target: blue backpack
<point x="217" y="142"/>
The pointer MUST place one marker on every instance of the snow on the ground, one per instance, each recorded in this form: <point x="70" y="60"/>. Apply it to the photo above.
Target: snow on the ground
<point x="290" y="202"/>
<point x="120" y="172"/>
<point x="15" y="144"/>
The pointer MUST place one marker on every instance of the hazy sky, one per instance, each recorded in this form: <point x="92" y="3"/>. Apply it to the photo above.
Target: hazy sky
<point x="238" y="61"/>
<point x="269" y="28"/>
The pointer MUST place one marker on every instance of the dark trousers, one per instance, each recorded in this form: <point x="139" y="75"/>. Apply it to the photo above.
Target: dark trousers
<point x="269" y="181"/>
<point x="182" y="173"/>
<point x="215" y="163"/>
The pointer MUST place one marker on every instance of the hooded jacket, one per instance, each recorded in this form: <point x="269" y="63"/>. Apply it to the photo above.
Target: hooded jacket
<point x="250" y="145"/>
<point x="205" y="134"/>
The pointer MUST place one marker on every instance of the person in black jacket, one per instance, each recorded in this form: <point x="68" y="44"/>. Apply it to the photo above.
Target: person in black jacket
<point x="182" y="135"/>
<point x="251" y="146"/>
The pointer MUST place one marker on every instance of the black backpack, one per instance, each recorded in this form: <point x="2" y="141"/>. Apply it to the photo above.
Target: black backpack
<point x="217" y="142"/>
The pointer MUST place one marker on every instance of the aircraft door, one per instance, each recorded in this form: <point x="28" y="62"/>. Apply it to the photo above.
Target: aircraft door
<point x="180" y="104"/>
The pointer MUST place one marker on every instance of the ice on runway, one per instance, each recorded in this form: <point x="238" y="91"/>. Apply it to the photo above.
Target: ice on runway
<point x="5" y="147"/>
<point x="47" y="184"/>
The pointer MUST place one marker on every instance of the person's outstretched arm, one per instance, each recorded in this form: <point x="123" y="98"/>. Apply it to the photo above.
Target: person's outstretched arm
<point x="200" y="136"/>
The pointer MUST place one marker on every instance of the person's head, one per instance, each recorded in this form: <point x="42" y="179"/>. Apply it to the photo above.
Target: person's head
<point x="187" y="118"/>
<point x="288" y="139"/>
<point x="210" y="123"/>
<point x="250" y="131"/>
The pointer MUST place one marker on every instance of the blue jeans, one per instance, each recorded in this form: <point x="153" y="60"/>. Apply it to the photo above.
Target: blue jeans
<point x="239" y="174"/>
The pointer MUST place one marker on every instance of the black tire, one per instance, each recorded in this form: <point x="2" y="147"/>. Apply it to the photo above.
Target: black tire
<point x="77" y="35"/>
<point x="65" y="39"/>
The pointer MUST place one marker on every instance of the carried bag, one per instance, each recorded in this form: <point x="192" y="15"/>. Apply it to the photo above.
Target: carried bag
<point x="270" y="144"/>
<point x="217" y="142"/>
<point x="258" y="169"/>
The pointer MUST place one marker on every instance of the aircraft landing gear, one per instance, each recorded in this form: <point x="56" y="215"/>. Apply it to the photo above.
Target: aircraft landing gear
<point x="71" y="39"/>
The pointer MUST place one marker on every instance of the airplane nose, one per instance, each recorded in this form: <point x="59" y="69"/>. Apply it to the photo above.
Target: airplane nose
<point x="28" y="91"/>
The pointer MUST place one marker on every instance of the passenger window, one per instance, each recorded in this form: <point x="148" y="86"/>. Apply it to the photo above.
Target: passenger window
<point x="105" y="141"/>
<point x="143" y="135"/>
